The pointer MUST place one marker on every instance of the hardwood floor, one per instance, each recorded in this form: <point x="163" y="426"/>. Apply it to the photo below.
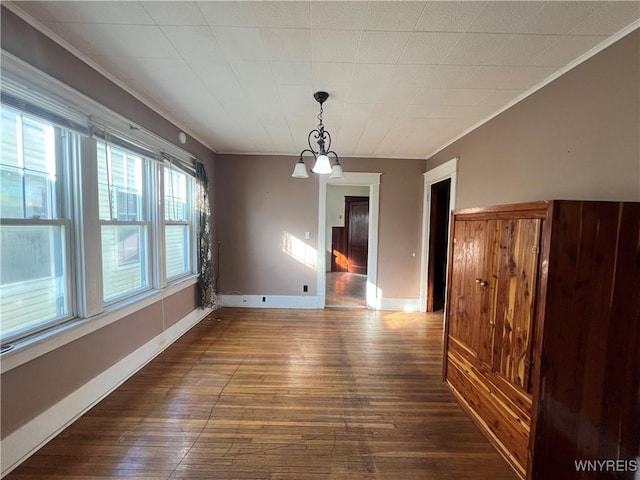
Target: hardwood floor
<point x="344" y="289"/>
<point x="281" y="394"/>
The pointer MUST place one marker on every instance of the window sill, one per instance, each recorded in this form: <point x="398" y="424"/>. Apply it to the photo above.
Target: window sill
<point x="35" y="346"/>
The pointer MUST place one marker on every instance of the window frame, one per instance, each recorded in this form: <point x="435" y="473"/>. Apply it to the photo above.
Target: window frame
<point x="190" y="222"/>
<point x="146" y="203"/>
<point x="59" y="202"/>
<point x="29" y="91"/>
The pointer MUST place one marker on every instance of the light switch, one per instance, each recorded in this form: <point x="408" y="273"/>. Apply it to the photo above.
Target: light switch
<point x="307" y="235"/>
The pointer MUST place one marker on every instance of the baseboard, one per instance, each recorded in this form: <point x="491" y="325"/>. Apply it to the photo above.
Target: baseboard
<point x="269" y="301"/>
<point x="293" y="301"/>
<point x="28" y="439"/>
<point x="399" y="304"/>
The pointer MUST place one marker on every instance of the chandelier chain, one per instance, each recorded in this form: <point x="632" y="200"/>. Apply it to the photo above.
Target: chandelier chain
<point x="322" y="138"/>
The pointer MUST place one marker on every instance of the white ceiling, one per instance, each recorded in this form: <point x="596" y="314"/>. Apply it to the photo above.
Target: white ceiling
<point x="404" y="78"/>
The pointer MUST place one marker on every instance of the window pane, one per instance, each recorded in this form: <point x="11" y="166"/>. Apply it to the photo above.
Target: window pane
<point x="178" y="254"/>
<point x="120" y="184"/>
<point x="27" y="167"/>
<point x="33" y="277"/>
<point x="176" y="195"/>
<point x="11" y="193"/>
<point x="38" y="149"/>
<point x="9" y="137"/>
<point x="36" y="195"/>
<point x="124" y="262"/>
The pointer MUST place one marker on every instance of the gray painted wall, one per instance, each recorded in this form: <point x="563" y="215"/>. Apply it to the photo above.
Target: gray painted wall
<point x="259" y="204"/>
<point x="576" y="138"/>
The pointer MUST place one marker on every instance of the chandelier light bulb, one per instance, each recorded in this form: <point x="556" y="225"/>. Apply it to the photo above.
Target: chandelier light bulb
<point x="336" y="171"/>
<point x="322" y="165"/>
<point x="300" y="170"/>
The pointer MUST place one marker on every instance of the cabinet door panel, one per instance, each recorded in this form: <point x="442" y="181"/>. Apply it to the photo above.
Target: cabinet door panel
<point x="517" y="270"/>
<point x="471" y="291"/>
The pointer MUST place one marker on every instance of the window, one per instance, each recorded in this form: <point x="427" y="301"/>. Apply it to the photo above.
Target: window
<point x="87" y="208"/>
<point x="34" y="228"/>
<point x="125" y="229"/>
<point x="178" y="216"/>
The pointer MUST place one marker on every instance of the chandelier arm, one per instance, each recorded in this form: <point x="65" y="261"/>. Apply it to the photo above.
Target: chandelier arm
<point x="331" y="152"/>
<point x="308" y="150"/>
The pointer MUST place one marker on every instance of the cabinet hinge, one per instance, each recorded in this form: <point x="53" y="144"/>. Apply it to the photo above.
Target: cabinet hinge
<point x="535" y="250"/>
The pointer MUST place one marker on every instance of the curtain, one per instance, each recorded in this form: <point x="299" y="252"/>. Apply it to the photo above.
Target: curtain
<point x="208" y="297"/>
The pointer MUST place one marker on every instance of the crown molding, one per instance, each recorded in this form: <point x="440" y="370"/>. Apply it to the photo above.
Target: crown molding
<point x="11" y="6"/>
<point x="581" y="59"/>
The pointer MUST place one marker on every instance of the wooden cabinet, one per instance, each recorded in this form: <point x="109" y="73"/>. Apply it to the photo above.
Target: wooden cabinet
<point x="542" y="332"/>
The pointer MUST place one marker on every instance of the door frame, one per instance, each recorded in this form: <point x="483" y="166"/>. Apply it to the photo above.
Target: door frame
<point x="448" y="169"/>
<point x="351" y="179"/>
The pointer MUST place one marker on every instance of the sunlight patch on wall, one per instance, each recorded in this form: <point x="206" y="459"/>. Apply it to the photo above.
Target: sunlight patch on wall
<point x="300" y="251"/>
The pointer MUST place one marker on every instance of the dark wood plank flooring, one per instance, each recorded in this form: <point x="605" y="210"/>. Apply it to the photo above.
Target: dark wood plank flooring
<point x="281" y="394"/>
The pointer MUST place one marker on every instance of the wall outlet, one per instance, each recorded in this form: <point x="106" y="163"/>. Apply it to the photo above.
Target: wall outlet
<point x="305" y="288"/>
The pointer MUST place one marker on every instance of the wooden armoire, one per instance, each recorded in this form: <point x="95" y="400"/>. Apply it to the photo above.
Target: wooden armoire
<point x="542" y="334"/>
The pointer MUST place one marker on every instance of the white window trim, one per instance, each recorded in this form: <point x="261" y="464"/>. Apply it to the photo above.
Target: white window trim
<point x="59" y="209"/>
<point x="42" y="88"/>
<point x="25" y="81"/>
<point x="191" y="222"/>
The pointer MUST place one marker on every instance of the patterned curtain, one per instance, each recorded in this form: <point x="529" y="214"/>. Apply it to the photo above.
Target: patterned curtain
<point x="208" y="297"/>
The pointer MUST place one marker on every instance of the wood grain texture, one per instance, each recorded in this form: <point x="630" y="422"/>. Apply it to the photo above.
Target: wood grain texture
<point x="589" y="376"/>
<point x="565" y="359"/>
<point x="516" y="278"/>
<point x="490" y="336"/>
<point x="506" y="424"/>
<point x="281" y="394"/>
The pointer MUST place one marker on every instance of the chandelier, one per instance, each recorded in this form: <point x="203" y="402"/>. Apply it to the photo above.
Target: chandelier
<point x="323" y="139"/>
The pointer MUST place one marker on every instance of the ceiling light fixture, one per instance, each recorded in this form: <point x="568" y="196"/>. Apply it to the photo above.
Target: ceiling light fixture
<point x="323" y="139"/>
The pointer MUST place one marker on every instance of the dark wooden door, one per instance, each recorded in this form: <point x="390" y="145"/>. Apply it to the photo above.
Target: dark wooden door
<point x="438" y="236"/>
<point x="357" y="233"/>
<point x="338" y="252"/>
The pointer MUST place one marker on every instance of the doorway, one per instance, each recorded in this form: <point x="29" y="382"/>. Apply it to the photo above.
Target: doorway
<point x="348" y="222"/>
<point x="371" y="183"/>
<point x="433" y="276"/>
<point x="438" y="235"/>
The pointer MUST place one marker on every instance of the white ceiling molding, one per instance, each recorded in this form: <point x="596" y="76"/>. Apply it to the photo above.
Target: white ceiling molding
<point x="102" y="71"/>
<point x="581" y="59"/>
<point x="406" y="80"/>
